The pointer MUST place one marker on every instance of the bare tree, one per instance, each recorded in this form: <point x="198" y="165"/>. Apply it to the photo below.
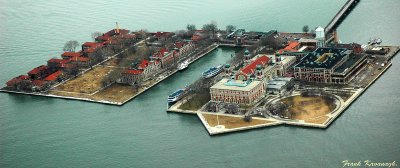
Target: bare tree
<point x="230" y="28"/>
<point x="211" y="27"/>
<point x="96" y="34"/>
<point x="70" y="45"/>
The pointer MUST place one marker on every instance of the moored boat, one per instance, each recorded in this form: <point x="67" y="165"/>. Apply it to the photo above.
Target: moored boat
<point x="213" y="71"/>
<point x="176" y="96"/>
<point x="183" y="65"/>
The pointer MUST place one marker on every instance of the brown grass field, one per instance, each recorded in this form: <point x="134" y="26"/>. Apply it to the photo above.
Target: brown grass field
<point x="115" y="93"/>
<point x="231" y="122"/>
<point x="311" y="109"/>
<point x="87" y="83"/>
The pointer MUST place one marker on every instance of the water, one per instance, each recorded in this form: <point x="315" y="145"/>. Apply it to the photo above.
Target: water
<point x="45" y="132"/>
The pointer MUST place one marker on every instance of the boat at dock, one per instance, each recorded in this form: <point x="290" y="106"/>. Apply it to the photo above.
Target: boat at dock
<point x="213" y="71"/>
<point x="375" y="41"/>
<point x="176" y="96"/>
<point x="183" y="65"/>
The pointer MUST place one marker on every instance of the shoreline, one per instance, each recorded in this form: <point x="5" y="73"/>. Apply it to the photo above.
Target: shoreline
<point x="213" y="47"/>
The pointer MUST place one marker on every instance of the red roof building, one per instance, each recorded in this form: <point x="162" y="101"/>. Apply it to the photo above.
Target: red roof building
<point x="68" y="55"/>
<point x="53" y="77"/>
<point x="250" y="69"/>
<point x="17" y="80"/>
<point x="56" y="63"/>
<point x="133" y="71"/>
<point x="293" y="46"/>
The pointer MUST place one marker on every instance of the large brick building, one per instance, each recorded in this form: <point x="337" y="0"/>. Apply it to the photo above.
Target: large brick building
<point x="237" y="91"/>
<point x="329" y="65"/>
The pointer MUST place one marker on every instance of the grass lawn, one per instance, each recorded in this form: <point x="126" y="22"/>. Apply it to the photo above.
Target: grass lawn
<point x="196" y="102"/>
<point x="313" y="108"/>
<point x="115" y="93"/>
<point x="231" y="122"/>
<point x="87" y="83"/>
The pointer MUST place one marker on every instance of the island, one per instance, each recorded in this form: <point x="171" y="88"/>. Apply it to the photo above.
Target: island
<point x="303" y="78"/>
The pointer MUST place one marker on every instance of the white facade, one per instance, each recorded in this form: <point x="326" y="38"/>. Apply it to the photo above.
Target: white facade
<point x="320" y="36"/>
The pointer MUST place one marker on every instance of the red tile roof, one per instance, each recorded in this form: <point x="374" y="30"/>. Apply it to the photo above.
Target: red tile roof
<point x="17" y="80"/>
<point x="37" y="70"/>
<point x="249" y="69"/>
<point x="90" y="44"/>
<point x="290" y="47"/>
<point x="179" y="44"/>
<point x="59" y="61"/>
<point x="80" y="59"/>
<point x="71" y="54"/>
<point x="143" y="64"/>
<point x="133" y="72"/>
<point x="53" y="76"/>
<point x="160" y="34"/>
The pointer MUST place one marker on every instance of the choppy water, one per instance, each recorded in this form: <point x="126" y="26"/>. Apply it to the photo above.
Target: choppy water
<point x="44" y="132"/>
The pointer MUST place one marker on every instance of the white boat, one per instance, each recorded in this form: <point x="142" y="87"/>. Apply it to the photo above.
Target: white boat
<point x="213" y="71"/>
<point x="176" y="96"/>
<point x="183" y="65"/>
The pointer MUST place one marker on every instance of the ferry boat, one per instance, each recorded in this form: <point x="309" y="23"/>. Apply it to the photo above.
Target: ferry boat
<point x="183" y="65"/>
<point x="176" y="96"/>
<point x="212" y="71"/>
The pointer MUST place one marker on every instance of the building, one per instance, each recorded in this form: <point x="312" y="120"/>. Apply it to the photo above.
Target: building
<point x="162" y="35"/>
<point x="329" y="65"/>
<point x="237" y="91"/>
<point x="132" y="76"/>
<point x="354" y="47"/>
<point x="164" y="56"/>
<point x="39" y="72"/>
<point x="258" y="68"/>
<point x="149" y="68"/>
<point x="320" y="36"/>
<point x="182" y="49"/>
<point x="284" y="65"/>
<point x="57" y="64"/>
<point x="81" y="62"/>
<point x="144" y="71"/>
<point x="19" y="83"/>
<point x="69" y="55"/>
<point x="54" y="77"/>
<point x="279" y="85"/>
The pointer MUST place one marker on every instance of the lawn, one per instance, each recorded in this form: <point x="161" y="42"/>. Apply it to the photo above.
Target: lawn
<point x="196" y="102"/>
<point x="308" y="108"/>
<point x="115" y="93"/>
<point x="87" y="83"/>
<point x="231" y="122"/>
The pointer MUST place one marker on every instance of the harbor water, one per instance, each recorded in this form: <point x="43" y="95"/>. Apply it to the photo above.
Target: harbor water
<point x="48" y="132"/>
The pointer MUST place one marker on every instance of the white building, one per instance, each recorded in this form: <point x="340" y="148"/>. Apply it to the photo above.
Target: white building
<point x="320" y="36"/>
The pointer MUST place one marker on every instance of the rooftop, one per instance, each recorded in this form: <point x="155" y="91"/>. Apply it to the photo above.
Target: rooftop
<point x="262" y="60"/>
<point x="323" y="58"/>
<point x="229" y="84"/>
<point x="352" y="59"/>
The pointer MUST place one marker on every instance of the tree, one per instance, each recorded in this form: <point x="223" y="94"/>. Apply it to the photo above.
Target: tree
<point x="70" y="46"/>
<point x="96" y="34"/>
<point x="191" y="28"/>
<point x="306" y="29"/>
<point x="230" y="28"/>
<point x="211" y="27"/>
